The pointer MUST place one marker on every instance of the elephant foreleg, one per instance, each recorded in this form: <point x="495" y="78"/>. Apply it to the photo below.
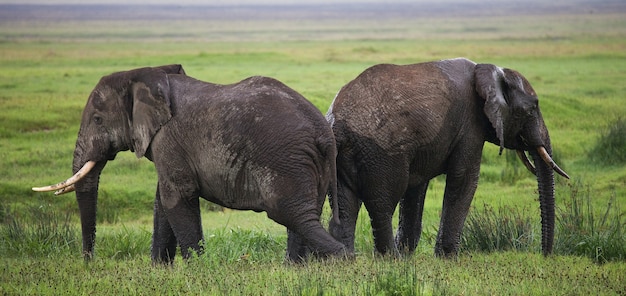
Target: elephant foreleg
<point x="459" y="192"/>
<point x="163" y="239"/>
<point x="183" y="213"/>
<point x="410" y="224"/>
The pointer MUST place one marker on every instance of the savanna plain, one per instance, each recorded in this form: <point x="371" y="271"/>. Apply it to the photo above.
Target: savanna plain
<point x="51" y="58"/>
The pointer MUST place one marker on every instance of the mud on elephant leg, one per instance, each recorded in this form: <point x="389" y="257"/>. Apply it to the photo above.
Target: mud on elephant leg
<point x="410" y="224"/>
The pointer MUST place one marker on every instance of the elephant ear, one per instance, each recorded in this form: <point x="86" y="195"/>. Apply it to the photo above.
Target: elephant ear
<point x="172" y="69"/>
<point x="149" y="93"/>
<point x="490" y="86"/>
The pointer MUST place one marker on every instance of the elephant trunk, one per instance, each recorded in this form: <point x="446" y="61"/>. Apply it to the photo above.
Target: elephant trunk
<point x="87" y="198"/>
<point x="85" y="182"/>
<point x="545" y="183"/>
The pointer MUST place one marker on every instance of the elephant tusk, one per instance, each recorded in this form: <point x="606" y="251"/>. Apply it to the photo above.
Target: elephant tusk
<point x="65" y="190"/>
<point x="61" y="187"/>
<point x="548" y="160"/>
<point x="522" y="156"/>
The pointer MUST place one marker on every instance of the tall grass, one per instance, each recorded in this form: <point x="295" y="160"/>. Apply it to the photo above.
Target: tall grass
<point x="581" y="230"/>
<point x="501" y="229"/>
<point x="43" y="232"/>
<point x="584" y="231"/>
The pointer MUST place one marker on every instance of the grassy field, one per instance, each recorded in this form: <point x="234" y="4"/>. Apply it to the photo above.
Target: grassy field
<point x="575" y="62"/>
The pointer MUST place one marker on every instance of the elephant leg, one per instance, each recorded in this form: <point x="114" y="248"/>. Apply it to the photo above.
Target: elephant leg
<point x="382" y="229"/>
<point x="163" y="238"/>
<point x="459" y="192"/>
<point x="410" y="224"/>
<point x="319" y="242"/>
<point x="183" y="214"/>
<point x="304" y="228"/>
<point x="384" y="183"/>
<point x="297" y="250"/>
<point x="349" y="206"/>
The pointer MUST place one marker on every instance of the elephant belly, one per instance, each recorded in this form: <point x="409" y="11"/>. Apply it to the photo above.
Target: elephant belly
<point x="425" y="166"/>
<point x="236" y="186"/>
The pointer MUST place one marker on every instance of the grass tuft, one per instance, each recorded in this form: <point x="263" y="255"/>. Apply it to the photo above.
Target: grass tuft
<point x="501" y="229"/>
<point x="43" y="232"/>
<point x="583" y="231"/>
<point x="123" y="242"/>
<point x="231" y="246"/>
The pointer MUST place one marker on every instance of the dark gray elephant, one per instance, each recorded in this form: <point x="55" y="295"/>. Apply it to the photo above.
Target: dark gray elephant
<point x="397" y="127"/>
<point x="254" y="145"/>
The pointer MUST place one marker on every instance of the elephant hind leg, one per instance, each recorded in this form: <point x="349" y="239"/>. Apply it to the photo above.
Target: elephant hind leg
<point x="297" y="250"/>
<point x="410" y="224"/>
<point x="306" y="234"/>
<point x="383" y="185"/>
<point x="312" y="238"/>
<point x="349" y="207"/>
<point x="382" y="229"/>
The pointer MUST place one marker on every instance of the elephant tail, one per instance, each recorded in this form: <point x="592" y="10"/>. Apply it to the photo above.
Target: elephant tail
<point x="329" y="149"/>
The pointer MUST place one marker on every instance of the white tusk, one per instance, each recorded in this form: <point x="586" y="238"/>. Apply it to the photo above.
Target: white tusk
<point x="522" y="155"/>
<point x="65" y="190"/>
<point x="73" y="179"/>
<point x="548" y="160"/>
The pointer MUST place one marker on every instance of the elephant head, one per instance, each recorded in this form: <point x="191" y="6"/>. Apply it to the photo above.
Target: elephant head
<point x="512" y="107"/>
<point x="123" y="112"/>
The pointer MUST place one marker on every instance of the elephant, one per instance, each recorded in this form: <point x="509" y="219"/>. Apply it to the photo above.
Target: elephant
<point x="399" y="126"/>
<point x="253" y="145"/>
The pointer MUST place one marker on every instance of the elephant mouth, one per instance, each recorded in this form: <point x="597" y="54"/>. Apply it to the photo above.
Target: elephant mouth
<point x="545" y="156"/>
<point x="68" y="185"/>
<point x="524" y="146"/>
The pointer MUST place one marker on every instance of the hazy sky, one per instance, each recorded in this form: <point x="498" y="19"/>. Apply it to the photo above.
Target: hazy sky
<point x="212" y="2"/>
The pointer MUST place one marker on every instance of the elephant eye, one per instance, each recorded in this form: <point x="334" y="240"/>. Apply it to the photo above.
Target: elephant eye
<point x="97" y="120"/>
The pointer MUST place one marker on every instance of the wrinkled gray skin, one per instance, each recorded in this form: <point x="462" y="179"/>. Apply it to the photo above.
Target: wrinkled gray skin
<point x="397" y="127"/>
<point x="254" y="145"/>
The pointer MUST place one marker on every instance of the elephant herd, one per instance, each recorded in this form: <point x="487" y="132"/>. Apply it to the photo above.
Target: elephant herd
<point x="260" y="145"/>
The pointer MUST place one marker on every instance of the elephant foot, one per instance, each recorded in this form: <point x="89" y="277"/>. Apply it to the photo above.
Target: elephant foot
<point x="339" y="253"/>
<point x="446" y="253"/>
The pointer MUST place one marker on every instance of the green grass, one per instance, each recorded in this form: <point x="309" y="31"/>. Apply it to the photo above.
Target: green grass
<point x="48" y="69"/>
<point x="610" y="148"/>
<point x="520" y="273"/>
